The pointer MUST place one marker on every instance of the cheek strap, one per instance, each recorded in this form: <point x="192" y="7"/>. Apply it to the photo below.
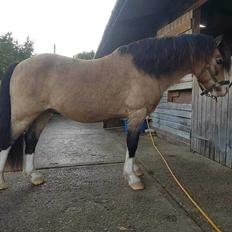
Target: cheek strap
<point x="219" y="83"/>
<point x="216" y="83"/>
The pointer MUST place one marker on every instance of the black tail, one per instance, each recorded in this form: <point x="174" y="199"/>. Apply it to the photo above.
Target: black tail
<point x="16" y="153"/>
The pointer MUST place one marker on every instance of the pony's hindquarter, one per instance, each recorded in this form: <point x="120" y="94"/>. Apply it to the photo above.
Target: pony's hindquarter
<point x="19" y="124"/>
<point x="5" y="110"/>
<point x="14" y="151"/>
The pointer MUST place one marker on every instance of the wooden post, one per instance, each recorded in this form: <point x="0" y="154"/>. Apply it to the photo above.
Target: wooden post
<point x="54" y="48"/>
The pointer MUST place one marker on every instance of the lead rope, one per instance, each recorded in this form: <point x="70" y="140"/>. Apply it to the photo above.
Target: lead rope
<point x="202" y="212"/>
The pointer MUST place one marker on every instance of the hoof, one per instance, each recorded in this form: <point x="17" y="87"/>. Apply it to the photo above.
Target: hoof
<point x="134" y="181"/>
<point x="37" y="179"/>
<point x="3" y="186"/>
<point x="137" y="186"/>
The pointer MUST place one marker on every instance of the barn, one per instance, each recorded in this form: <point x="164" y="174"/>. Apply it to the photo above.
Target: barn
<point x="183" y="116"/>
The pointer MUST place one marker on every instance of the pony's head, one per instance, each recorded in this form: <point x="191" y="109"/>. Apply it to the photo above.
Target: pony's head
<point x="212" y="77"/>
<point x="207" y="58"/>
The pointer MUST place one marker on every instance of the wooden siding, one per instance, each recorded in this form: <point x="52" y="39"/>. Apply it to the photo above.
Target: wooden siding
<point x="179" y="26"/>
<point x="212" y="127"/>
<point x="211" y="122"/>
<point x="173" y="120"/>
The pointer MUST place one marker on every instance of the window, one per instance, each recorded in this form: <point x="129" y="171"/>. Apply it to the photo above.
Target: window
<point x="183" y="96"/>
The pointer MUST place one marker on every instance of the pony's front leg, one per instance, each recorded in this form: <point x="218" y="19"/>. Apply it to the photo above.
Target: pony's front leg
<point x="3" y="158"/>
<point x="130" y="174"/>
<point x="131" y="169"/>
<point x="137" y="169"/>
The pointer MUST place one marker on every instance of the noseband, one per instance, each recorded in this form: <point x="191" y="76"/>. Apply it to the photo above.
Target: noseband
<point x="217" y="83"/>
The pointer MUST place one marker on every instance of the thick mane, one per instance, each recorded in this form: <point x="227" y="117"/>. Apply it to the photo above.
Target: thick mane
<point x="162" y="56"/>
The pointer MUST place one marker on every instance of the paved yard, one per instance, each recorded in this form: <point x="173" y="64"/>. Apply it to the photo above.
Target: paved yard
<point x="85" y="190"/>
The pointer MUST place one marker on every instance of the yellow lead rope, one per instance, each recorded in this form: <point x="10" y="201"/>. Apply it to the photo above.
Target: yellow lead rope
<point x="204" y="214"/>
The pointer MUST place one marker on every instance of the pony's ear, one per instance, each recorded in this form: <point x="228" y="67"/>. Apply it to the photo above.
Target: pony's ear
<point x="218" y="40"/>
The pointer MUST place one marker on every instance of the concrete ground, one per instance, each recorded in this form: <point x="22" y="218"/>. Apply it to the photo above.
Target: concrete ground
<point x="85" y="190"/>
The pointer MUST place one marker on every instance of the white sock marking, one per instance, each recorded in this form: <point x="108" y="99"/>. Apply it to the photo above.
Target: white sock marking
<point x="136" y="167"/>
<point x="3" y="158"/>
<point x="29" y="169"/>
<point x="28" y="163"/>
<point x="128" y="170"/>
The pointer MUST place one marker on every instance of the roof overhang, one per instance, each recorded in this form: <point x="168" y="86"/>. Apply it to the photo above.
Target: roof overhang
<point x="135" y="19"/>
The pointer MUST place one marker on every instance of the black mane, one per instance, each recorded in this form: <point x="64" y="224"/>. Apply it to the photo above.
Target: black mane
<point x="162" y="56"/>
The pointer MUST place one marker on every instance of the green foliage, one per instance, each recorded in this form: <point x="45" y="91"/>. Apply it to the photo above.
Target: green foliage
<point x="85" y="55"/>
<point x="11" y="51"/>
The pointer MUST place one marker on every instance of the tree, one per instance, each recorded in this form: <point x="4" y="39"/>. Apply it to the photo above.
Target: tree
<point x="12" y="52"/>
<point x="85" y="55"/>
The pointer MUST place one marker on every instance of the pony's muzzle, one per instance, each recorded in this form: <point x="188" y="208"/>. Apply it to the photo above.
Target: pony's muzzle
<point x="220" y="91"/>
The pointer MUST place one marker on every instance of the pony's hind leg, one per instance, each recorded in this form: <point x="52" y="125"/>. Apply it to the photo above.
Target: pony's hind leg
<point x="131" y="169"/>
<point x="36" y="178"/>
<point x="3" y="158"/>
<point x="31" y="139"/>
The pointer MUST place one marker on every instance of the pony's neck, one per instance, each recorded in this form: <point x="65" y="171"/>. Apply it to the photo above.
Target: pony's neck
<point x="168" y="80"/>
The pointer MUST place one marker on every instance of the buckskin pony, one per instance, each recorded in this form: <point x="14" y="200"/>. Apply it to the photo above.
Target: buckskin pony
<point x="128" y="83"/>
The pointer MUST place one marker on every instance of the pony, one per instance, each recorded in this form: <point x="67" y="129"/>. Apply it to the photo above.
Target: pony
<point x="128" y="83"/>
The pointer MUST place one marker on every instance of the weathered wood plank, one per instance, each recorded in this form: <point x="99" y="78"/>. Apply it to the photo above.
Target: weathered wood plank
<point x="194" y="117"/>
<point x="208" y="127"/>
<point x="187" y="78"/>
<point x="163" y="100"/>
<point x="223" y="130"/>
<point x="229" y="133"/>
<point x="180" y="113"/>
<point x="174" y="125"/>
<point x="217" y="132"/>
<point x="181" y="86"/>
<point x="202" y="125"/>
<point x="171" y="118"/>
<point x="173" y="131"/>
<point x="195" y="28"/>
<point x="175" y="106"/>
<point x="213" y="126"/>
<point x="180" y="25"/>
<point x="199" y="124"/>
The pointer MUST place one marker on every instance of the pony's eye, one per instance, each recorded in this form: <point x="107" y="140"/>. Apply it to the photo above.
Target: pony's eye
<point x="219" y="61"/>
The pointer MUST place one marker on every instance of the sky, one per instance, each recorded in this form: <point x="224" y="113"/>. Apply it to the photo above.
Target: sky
<point x="72" y="25"/>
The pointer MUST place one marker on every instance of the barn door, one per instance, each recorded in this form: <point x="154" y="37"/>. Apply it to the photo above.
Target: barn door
<point x="211" y="126"/>
<point x="211" y="133"/>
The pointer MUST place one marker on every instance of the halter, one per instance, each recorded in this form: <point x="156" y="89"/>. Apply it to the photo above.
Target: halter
<point x="217" y="83"/>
